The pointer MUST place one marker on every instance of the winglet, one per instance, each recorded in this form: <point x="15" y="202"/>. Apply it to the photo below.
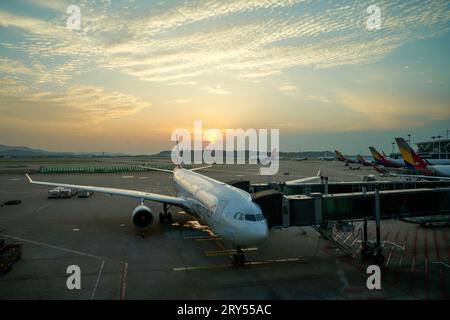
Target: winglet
<point x="29" y="178"/>
<point x="319" y="173"/>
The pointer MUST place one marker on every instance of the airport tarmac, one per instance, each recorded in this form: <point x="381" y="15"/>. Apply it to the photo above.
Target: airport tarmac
<point x="183" y="261"/>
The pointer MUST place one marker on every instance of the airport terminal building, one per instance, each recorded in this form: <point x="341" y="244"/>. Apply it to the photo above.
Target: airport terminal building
<point x="437" y="149"/>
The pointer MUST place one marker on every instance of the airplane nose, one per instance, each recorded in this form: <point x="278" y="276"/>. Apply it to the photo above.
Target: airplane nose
<point x="261" y="233"/>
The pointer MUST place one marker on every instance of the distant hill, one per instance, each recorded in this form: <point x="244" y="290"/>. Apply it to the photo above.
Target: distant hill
<point x="22" y="151"/>
<point x="283" y="155"/>
<point x="306" y="154"/>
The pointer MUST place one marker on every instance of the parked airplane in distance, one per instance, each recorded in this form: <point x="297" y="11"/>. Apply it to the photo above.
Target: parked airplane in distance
<point x="341" y="157"/>
<point x="387" y="162"/>
<point x="414" y="160"/>
<point x="327" y="158"/>
<point x="363" y="161"/>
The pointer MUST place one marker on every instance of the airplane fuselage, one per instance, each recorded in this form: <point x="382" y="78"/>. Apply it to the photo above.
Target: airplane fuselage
<point x="228" y="211"/>
<point x="440" y="170"/>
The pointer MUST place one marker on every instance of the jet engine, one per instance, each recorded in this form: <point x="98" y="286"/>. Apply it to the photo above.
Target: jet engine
<point x="142" y="218"/>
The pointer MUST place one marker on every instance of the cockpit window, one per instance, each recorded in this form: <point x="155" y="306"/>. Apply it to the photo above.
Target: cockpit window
<point x="254" y="217"/>
<point x="239" y="216"/>
<point x="248" y="217"/>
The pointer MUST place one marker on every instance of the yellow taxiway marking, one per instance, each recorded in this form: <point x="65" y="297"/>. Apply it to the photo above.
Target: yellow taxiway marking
<point x="203" y="238"/>
<point x="249" y="263"/>
<point x="226" y="252"/>
<point x="213" y="266"/>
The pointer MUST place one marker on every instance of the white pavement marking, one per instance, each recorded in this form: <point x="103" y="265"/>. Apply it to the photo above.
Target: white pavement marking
<point x="56" y="247"/>
<point x="123" y="285"/>
<point x="43" y="207"/>
<point x="441" y="262"/>
<point x="98" y="280"/>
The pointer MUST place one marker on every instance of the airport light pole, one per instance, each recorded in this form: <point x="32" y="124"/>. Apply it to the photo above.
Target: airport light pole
<point x="432" y="138"/>
<point x="447" y="144"/>
<point x="439" y="145"/>
<point x="393" y="149"/>
<point x="409" y="138"/>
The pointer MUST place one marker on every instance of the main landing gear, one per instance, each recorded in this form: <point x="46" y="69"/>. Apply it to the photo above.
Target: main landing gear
<point x="239" y="257"/>
<point x="165" y="217"/>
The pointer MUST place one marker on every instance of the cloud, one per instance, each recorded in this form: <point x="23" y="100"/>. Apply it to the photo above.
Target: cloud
<point x="288" y="88"/>
<point x="12" y="67"/>
<point x="216" y="90"/>
<point x="183" y="43"/>
<point x="177" y="101"/>
<point x="390" y="112"/>
<point x="74" y="106"/>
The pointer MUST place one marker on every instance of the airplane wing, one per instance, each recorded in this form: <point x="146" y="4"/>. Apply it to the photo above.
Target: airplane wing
<point x="304" y="180"/>
<point x="117" y="192"/>
<point x="156" y="169"/>
<point x="200" y="168"/>
<point x="170" y="171"/>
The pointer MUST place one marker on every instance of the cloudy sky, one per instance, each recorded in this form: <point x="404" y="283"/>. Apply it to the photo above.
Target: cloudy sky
<point x="137" y="70"/>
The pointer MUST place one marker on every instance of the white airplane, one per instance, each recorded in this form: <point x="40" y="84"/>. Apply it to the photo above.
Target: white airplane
<point x="228" y="211"/>
<point x="264" y="160"/>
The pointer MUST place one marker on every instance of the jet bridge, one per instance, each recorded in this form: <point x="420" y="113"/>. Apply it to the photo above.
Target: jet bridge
<point x="323" y="210"/>
<point x="342" y="187"/>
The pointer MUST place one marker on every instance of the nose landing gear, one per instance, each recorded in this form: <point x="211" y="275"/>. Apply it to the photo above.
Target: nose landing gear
<point x="239" y="257"/>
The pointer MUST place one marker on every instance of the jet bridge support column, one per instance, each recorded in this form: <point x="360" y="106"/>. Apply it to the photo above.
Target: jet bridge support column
<point x="364" y="234"/>
<point x="286" y="212"/>
<point x="377" y="216"/>
<point x="370" y="249"/>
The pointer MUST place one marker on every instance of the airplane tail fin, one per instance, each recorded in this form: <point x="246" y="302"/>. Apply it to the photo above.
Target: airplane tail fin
<point x="375" y="154"/>
<point x="409" y="155"/>
<point x="361" y="159"/>
<point x="339" y="155"/>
